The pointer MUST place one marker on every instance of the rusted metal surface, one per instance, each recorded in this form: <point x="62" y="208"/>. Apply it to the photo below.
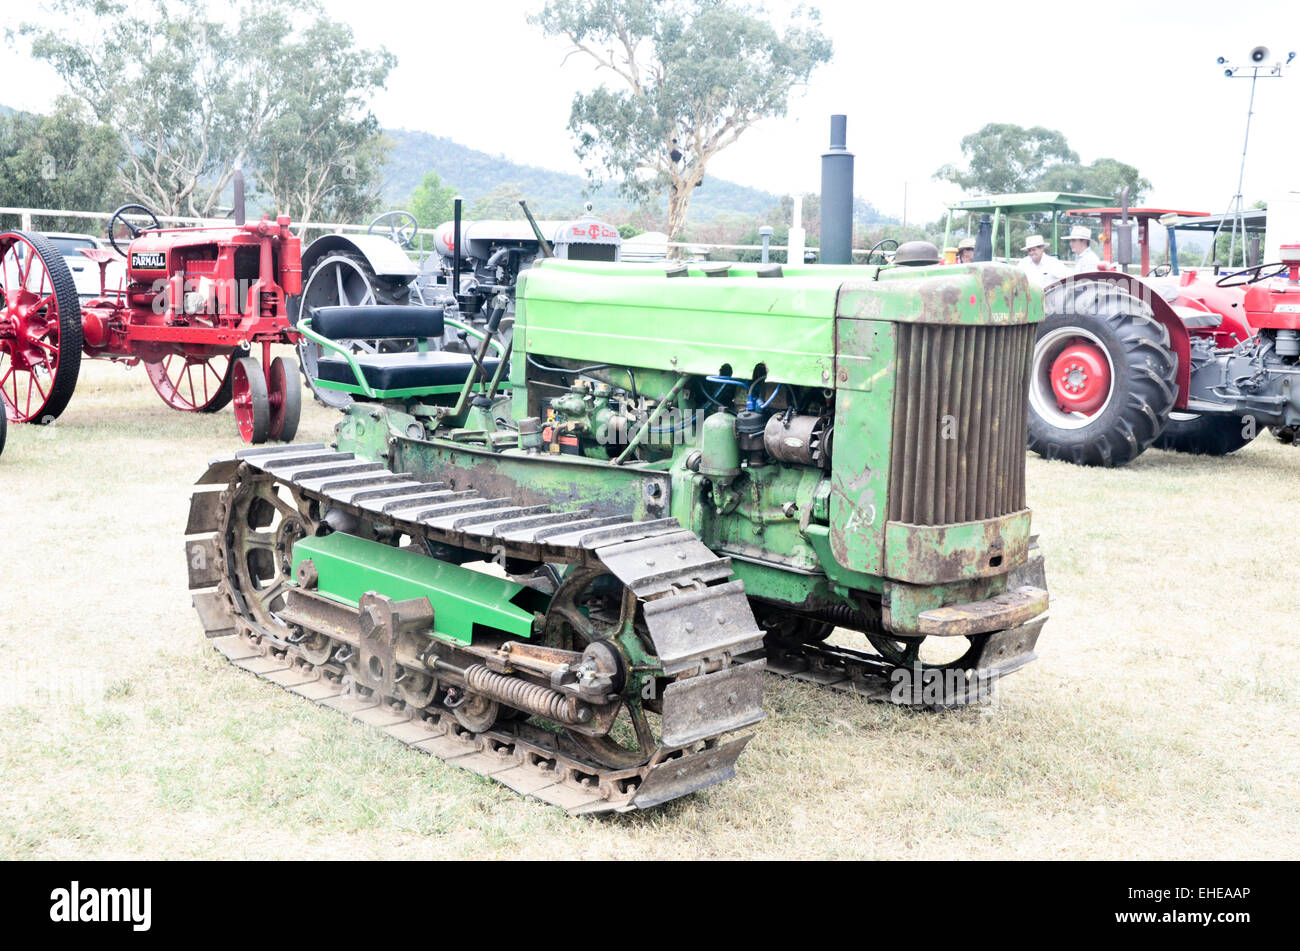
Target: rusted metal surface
<point x="694" y="707"/>
<point x="1007" y="650"/>
<point x="974" y="294"/>
<point x="201" y="559"/>
<point x="543" y="480"/>
<point x="1011" y="609"/>
<point x="205" y="510"/>
<point x="675" y="778"/>
<point x="934" y="554"/>
<point x="692" y="626"/>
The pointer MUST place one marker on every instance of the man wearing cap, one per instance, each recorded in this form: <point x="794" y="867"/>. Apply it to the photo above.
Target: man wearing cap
<point x="1085" y="259"/>
<point x="966" y="251"/>
<point x="1041" y="267"/>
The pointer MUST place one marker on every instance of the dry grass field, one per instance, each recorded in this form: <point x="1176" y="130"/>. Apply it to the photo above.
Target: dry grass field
<point x="1162" y="719"/>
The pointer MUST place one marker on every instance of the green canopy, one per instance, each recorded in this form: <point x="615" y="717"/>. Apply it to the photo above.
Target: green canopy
<point x="1023" y="203"/>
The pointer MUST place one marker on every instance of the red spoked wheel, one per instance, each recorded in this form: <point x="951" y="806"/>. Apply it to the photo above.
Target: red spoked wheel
<point x="285" y="396"/>
<point x="40" y="329"/>
<point x="252" y="407"/>
<point x="192" y="384"/>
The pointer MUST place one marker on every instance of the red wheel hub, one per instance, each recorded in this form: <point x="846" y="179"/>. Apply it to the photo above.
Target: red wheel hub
<point x="1081" y="378"/>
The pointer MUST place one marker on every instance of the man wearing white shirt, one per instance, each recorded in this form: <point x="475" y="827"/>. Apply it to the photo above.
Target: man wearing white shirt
<point x="1085" y="259"/>
<point x="1041" y="267"/>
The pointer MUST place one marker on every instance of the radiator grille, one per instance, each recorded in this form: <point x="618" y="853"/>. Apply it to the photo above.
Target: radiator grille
<point x="960" y="402"/>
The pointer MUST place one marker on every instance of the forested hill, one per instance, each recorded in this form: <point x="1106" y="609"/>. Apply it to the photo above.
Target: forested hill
<point x="475" y="173"/>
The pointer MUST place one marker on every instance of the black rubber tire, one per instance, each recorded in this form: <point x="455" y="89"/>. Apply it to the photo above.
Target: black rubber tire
<point x="4" y="429"/>
<point x="1144" y="376"/>
<point x="70" y="340"/>
<point x="1207" y="435"/>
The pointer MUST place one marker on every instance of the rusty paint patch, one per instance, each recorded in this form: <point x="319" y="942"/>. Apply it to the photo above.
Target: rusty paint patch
<point x="932" y="554"/>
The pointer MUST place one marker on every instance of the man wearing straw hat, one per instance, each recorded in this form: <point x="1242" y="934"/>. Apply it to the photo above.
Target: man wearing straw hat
<point x="966" y="251"/>
<point x="1085" y="259"/>
<point x="1041" y="267"/>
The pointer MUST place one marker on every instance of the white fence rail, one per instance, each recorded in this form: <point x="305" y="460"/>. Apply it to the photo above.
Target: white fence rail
<point x="29" y="216"/>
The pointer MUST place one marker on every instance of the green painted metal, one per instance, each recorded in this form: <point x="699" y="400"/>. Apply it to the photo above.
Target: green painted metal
<point x="797" y="534"/>
<point x="930" y="553"/>
<point x="864" y="413"/>
<point x="690" y="324"/>
<point x="720" y="456"/>
<point x="953" y="294"/>
<point x="1031" y="202"/>
<point x="902" y="603"/>
<point x="348" y="567"/>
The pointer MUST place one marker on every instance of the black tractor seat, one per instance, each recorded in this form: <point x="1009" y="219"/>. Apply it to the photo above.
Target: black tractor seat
<point x="1194" y="318"/>
<point x="410" y="370"/>
<point x="403" y="371"/>
<point x="377" y="322"/>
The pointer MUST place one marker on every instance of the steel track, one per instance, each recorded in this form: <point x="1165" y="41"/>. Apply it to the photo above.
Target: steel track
<point x="700" y="621"/>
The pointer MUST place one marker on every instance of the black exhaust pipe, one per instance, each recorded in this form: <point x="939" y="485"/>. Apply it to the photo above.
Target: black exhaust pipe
<point x="455" y="256"/>
<point x="837" y="197"/>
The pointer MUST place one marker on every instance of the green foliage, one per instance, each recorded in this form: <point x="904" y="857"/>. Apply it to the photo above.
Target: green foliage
<point x="63" y="160"/>
<point x="193" y="96"/>
<point x="1105" y="176"/>
<point x="1002" y="157"/>
<point x="695" y="74"/>
<point x="320" y="155"/>
<point x="431" y="202"/>
<point x="501" y="202"/>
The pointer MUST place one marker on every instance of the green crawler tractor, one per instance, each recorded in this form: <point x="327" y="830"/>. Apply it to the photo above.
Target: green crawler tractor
<point x="565" y="557"/>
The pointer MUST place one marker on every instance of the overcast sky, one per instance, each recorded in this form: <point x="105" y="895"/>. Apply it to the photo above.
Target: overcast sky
<point x="1136" y="82"/>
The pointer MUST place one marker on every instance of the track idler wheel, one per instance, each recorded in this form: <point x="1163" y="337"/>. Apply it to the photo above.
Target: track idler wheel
<point x="252" y="404"/>
<point x="474" y="712"/>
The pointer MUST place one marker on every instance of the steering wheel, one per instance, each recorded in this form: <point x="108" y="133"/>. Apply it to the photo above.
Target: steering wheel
<point x="1160" y="270"/>
<point x="400" y="227"/>
<point x="880" y="246"/>
<point x="1251" y="275"/>
<point x="119" y="217"/>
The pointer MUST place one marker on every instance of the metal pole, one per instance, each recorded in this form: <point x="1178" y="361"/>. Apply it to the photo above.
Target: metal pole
<point x="1241" y="175"/>
<point x="766" y="233"/>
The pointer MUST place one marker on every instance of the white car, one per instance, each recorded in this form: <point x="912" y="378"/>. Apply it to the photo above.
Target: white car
<point x="85" y="272"/>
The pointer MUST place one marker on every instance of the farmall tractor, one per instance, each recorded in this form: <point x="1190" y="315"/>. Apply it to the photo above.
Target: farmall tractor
<point x="1195" y="362"/>
<point x="194" y="304"/>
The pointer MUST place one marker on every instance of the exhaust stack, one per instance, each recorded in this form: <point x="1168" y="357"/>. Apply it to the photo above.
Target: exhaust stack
<point x="837" y="197"/>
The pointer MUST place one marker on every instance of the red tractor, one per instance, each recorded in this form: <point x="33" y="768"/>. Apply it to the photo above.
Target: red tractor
<point x="194" y="304"/>
<point x="1195" y="362"/>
